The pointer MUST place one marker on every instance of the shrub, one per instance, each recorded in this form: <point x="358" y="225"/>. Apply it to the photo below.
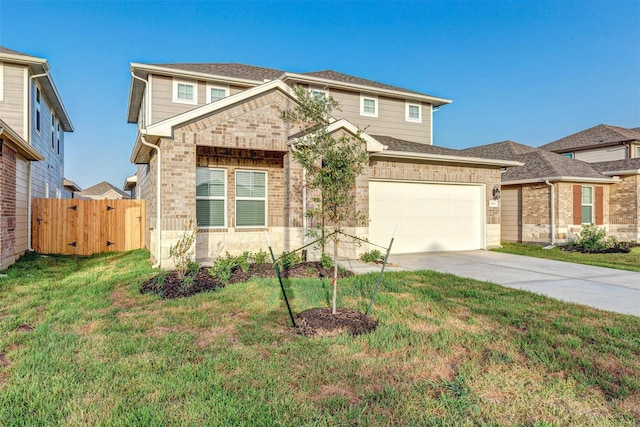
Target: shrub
<point x="223" y="267"/>
<point x="593" y="239"/>
<point x="181" y="251"/>
<point x="326" y="261"/>
<point x="260" y="257"/>
<point x="289" y="259"/>
<point x="372" y="256"/>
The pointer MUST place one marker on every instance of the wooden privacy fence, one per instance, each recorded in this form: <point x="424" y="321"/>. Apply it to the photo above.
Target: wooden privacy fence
<point x="86" y="227"/>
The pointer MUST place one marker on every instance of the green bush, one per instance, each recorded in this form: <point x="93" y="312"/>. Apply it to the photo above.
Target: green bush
<point x="289" y="259"/>
<point x="223" y="267"/>
<point x="593" y="239"/>
<point x="326" y="261"/>
<point x="372" y="256"/>
<point x="260" y="257"/>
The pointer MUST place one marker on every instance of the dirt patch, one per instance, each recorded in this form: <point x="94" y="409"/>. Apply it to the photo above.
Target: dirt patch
<point x="25" y="327"/>
<point x="168" y="285"/>
<point x="4" y="360"/>
<point x="320" y="322"/>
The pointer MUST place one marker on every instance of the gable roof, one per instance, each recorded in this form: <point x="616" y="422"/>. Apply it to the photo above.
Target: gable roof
<point x="619" y="167"/>
<point x="40" y="66"/>
<point x="231" y="69"/>
<point x="597" y="136"/>
<point x="19" y="143"/>
<point x="100" y="189"/>
<point x="394" y="144"/>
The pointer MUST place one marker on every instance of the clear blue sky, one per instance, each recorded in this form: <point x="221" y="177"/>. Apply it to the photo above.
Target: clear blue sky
<point x="531" y="72"/>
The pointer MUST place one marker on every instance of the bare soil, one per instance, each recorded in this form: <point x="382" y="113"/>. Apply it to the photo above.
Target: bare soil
<point x="320" y="322"/>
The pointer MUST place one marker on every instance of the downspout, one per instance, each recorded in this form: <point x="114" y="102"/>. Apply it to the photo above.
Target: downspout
<point x="158" y="185"/>
<point x="29" y="169"/>
<point x="553" y="215"/>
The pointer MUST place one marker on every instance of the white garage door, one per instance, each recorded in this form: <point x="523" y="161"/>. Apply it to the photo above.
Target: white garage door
<point x="430" y="217"/>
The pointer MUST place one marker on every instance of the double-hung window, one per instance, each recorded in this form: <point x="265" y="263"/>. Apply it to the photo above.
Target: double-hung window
<point x="59" y="134"/>
<point x="215" y="93"/>
<point x="53" y="131"/>
<point x="637" y="150"/>
<point x="251" y="198"/>
<point x="211" y="190"/>
<point x="587" y="204"/>
<point x="185" y="92"/>
<point x="413" y="112"/>
<point x="369" y="105"/>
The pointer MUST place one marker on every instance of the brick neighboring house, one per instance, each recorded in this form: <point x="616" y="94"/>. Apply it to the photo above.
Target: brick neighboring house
<point x="615" y="152"/>
<point x="101" y="191"/>
<point x="212" y="148"/>
<point x="33" y="121"/>
<point x="576" y="192"/>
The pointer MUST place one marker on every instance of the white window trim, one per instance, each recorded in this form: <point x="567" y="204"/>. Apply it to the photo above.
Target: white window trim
<point x="592" y="204"/>
<point x="177" y="100"/>
<point x="266" y="203"/>
<point x="312" y="90"/>
<point x="637" y="150"/>
<point x="408" y="105"/>
<point x="210" y="86"/>
<point x="46" y="190"/>
<point x="1" y="82"/>
<point x="223" y="198"/>
<point x="373" y="97"/>
<point x="58" y="136"/>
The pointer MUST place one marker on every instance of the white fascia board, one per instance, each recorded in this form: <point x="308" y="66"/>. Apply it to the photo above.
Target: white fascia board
<point x="156" y="69"/>
<point x="62" y="111"/>
<point x="21" y="59"/>
<point x="165" y="127"/>
<point x="19" y="144"/>
<point x="563" y="179"/>
<point x="373" y="145"/>
<point x="367" y="89"/>
<point x="622" y="172"/>
<point x="447" y="158"/>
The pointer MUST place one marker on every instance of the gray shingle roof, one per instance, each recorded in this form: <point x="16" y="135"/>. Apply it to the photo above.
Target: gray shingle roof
<point x="617" y="165"/>
<point x="537" y="163"/>
<point x="395" y="144"/>
<point x="505" y="150"/>
<point x="240" y="71"/>
<point x="11" y="52"/>
<point x="600" y="135"/>
<point x="101" y="188"/>
<point x="346" y="78"/>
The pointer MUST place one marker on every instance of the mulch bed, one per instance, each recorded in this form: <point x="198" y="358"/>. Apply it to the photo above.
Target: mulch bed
<point x="618" y="249"/>
<point x="173" y="287"/>
<point x="320" y="322"/>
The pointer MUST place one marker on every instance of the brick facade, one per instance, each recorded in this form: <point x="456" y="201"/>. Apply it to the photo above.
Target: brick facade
<point x="7" y="206"/>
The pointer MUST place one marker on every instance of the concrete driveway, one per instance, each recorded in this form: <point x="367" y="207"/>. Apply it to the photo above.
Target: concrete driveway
<point x="599" y="287"/>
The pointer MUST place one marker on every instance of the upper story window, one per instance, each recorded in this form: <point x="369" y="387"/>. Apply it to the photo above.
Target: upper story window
<point x="587" y="204"/>
<point x="59" y="135"/>
<point x="38" y="110"/>
<point x="185" y="92"/>
<point x="53" y="131"/>
<point x="320" y="93"/>
<point x="369" y="105"/>
<point x="413" y="112"/>
<point x="569" y="155"/>
<point x="637" y="150"/>
<point x="215" y="93"/>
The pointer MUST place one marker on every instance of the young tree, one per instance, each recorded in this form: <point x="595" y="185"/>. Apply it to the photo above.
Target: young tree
<point x="332" y="164"/>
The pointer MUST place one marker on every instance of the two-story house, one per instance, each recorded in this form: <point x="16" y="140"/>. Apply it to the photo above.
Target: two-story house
<point x="212" y="148"/>
<point x="614" y="152"/>
<point x="33" y="121"/>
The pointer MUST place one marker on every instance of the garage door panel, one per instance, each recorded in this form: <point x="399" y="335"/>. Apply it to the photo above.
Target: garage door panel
<point x="430" y="217"/>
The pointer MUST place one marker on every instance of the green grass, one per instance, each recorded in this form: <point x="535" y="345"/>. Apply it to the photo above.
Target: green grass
<point x="448" y="351"/>
<point x="630" y="261"/>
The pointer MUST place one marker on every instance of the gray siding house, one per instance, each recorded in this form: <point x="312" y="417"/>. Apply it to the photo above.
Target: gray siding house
<point x="33" y="121"/>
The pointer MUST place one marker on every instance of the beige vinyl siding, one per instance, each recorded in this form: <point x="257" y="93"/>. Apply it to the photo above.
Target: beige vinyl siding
<point x="391" y="117"/>
<point x="162" y="105"/>
<point x="22" y="200"/>
<point x="603" y="154"/>
<point x="12" y="105"/>
<point x="510" y="224"/>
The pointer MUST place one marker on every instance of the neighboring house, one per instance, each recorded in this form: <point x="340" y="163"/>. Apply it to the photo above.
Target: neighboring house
<point x="212" y="148"/>
<point x="130" y="186"/>
<point x="550" y="197"/>
<point x="614" y="151"/>
<point x="102" y="191"/>
<point x="70" y="188"/>
<point x="33" y="121"/>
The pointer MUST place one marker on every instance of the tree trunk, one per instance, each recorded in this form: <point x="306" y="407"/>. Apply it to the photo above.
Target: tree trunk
<point x="335" y="274"/>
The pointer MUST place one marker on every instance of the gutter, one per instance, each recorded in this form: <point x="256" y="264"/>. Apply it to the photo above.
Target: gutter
<point x="445" y="158"/>
<point x="565" y="179"/>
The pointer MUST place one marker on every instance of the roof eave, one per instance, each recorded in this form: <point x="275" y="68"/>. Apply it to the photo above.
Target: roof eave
<point x="562" y="179"/>
<point x="622" y="172"/>
<point x="444" y="158"/>
<point x="21" y="146"/>
<point x="367" y="89"/>
<point x="158" y="69"/>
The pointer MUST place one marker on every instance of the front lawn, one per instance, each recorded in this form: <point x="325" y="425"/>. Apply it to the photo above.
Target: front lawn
<point x="79" y="345"/>
<point x="620" y="261"/>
